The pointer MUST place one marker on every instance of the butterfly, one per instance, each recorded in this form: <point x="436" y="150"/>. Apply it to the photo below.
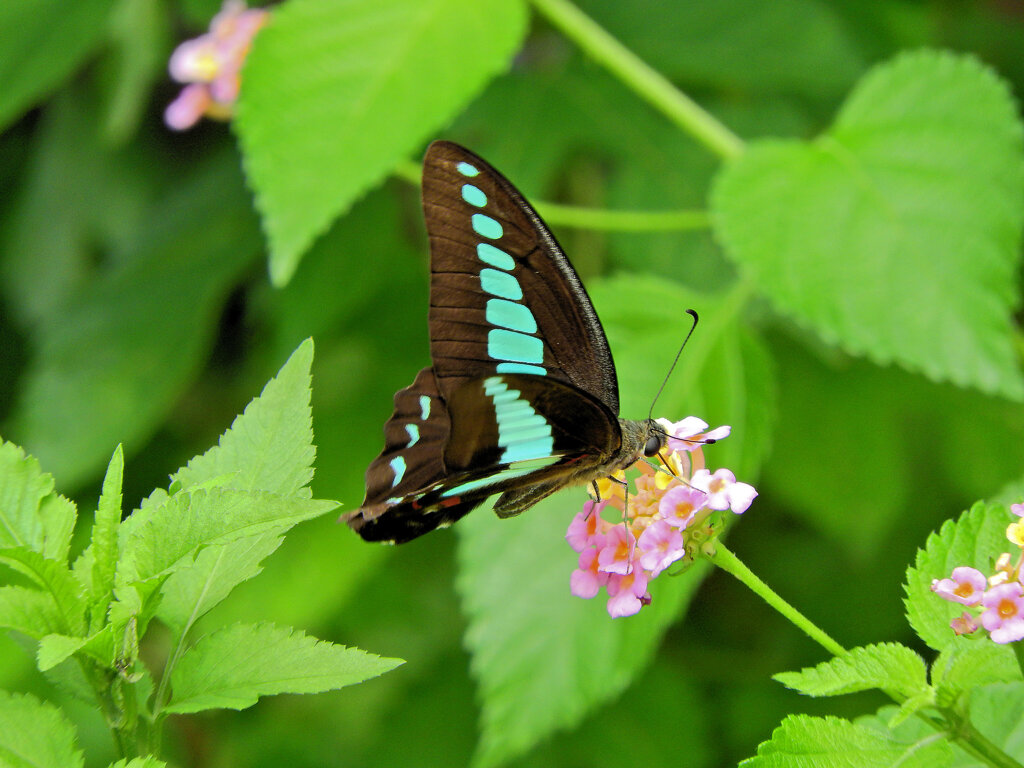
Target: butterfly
<point x="522" y="398"/>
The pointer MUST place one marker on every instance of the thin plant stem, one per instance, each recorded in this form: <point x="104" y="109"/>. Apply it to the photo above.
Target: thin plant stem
<point x="729" y="563"/>
<point x="648" y="83"/>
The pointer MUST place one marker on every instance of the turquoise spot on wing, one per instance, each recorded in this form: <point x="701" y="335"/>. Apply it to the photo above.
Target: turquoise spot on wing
<point x="531" y="449"/>
<point x="500" y="284"/>
<point x="398" y="467"/>
<point x="494" y="384"/>
<point x="485" y="226"/>
<point x="466" y="169"/>
<point x="514" y="347"/>
<point x="494" y="256"/>
<point x="521" y="368"/>
<point x="509" y="314"/>
<point x="474" y="195"/>
<point x="414" y="434"/>
<point x="424" y="407"/>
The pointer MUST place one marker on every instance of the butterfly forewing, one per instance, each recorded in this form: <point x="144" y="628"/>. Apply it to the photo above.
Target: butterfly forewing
<point x="503" y="296"/>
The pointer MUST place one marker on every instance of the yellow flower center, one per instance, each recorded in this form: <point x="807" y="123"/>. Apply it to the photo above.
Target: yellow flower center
<point x="1007" y="609"/>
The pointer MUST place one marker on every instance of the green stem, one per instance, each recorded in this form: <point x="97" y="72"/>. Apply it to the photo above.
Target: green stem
<point x="580" y="217"/>
<point x="1018" y="650"/>
<point x="728" y="562"/>
<point x="975" y="743"/>
<point x="637" y="75"/>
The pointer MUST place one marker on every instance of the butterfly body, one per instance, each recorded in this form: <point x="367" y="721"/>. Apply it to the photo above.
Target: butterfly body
<point x="522" y="398"/>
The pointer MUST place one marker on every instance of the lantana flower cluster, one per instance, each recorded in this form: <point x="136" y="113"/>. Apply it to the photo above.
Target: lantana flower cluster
<point x="656" y="521"/>
<point x="210" y="64"/>
<point x="997" y="601"/>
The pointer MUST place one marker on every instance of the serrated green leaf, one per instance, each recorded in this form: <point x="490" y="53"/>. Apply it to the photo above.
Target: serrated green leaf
<point x="104" y="538"/>
<point x="887" y="666"/>
<point x="29" y="611"/>
<point x="117" y="356"/>
<point x="190" y="592"/>
<point x="45" y="41"/>
<point x="912" y="706"/>
<point x="811" y="742"/>
<point x="966" y="666"/>
<point x="31" y="514"/>
<point x="55" y="649"/>
<point x="976" y="539"/>
<point x="896" y="234"/>
<point x="56" y="580"/>
<point x="367" y="66"/>
<point x="232" y="667"/>
<point x="170" y="535"/>
<point x="269" y="447"/>
<point x="35" y="734"/>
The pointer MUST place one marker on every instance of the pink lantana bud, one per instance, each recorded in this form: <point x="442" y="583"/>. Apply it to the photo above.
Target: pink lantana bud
<point x="627" y="594"/>
<point x="967" y="586"/>
<point x="586" y="580"/>
<point x="964" y="624"/>
<point x="1004" y="612"/>
<point x="1017" y="509"/>
<point x="659" y="546"/>
<point x="617" y="554"/>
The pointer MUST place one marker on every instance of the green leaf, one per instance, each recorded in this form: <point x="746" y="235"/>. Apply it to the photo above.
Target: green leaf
<point x="725" y="375"/>
<point x="35" y="734"/>
<point x="104" y="536"/>
<point x="967" y="666"/>
<point x="887" y="666"/>
<point x="167" y="537"/>
<point x="56" y="579"/>
<point x="191" y="592"/>
<point x="55" y="649"/>
<point x="31" y="514"/>
<point x="232" y="667"/>
<point x="270" y="446"/>
<point x="378" y="78"/>
<point x="896" y="234"/>
<point x="29" y="611"/>
<point x="976" y="539"/>
<point x="119" y="354"/>
<point x="811" y="742"/>
<point x="139" y="762"/>
<point x="45" y="41"/>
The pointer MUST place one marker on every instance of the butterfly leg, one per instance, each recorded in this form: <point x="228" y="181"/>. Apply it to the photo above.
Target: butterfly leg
<point x="511" y="503"/>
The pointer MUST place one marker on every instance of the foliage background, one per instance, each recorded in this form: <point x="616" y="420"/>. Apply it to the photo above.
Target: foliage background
<point x="136" y="306"/>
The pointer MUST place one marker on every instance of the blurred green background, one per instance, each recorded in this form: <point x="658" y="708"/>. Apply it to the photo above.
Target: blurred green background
<point x="135" y="307"/>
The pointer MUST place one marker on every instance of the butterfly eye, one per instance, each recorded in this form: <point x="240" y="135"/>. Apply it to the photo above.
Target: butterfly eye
<point x="652" y="446"/>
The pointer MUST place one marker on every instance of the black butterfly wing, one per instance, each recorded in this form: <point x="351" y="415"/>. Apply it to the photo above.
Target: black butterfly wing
<point x="522" y="393"/>
<point x="503" y="296"/>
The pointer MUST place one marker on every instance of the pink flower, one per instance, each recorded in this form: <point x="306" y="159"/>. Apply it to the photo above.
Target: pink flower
<point x="723" y="490"/>
<point x="964" y="624"/>
<point x="586" y="529"/>
<point x="1004" y="612"/>
<point x="586" y="580"/>
<point x="688" y="434"/>
<point x="617" y="554"/>
<point x="210" y="65"/>
<point x="680" y="504"/>
<point x="659" y="546"/>
<point x="627" y="594"/>
<point x="1017" y="509"/>
<point x="966" y="586"/>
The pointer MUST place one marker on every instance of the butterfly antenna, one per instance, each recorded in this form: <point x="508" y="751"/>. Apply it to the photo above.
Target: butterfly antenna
<point x="661" y="389"/>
